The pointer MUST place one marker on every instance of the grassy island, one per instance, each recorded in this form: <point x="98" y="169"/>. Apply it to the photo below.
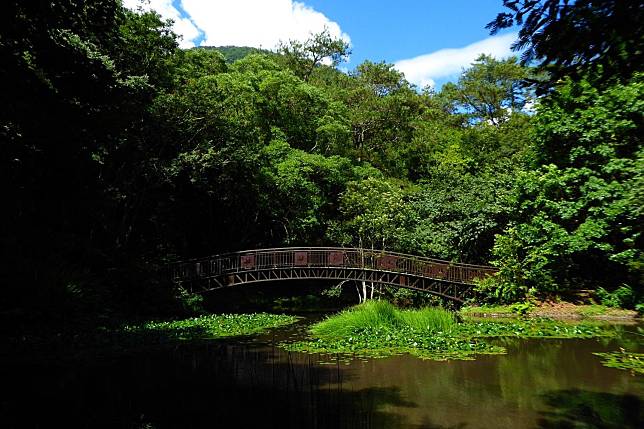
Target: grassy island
<point x="379" y="329"/>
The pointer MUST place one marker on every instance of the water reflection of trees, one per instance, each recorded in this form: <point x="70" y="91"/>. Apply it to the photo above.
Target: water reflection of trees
<point x="536" y="366"/>
<point x="241" y="384"/>
<point x="582" y="409"/>
<point x="204" y="387"/>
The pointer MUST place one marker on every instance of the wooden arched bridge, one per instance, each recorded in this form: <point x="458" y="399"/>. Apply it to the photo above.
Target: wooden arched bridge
<point x="450" y="280"/>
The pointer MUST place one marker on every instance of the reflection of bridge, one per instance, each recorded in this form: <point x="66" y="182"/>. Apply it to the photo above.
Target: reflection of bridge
<point x="446" y="279"/>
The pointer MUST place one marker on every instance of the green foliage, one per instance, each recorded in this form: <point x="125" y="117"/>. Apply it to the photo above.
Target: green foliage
<point x="489" y="91"/>
<point x="196" y="63"/>
<point x="579" y="214"/>
<point x="533" y="328"/>
<point x="77" y="78"/>
<point x="383" y="110"/>
<point x="569" y="38"/>
<point x="522" y="307"/>
<point x="304" y="57"/>
<point x="375" y="214"/>
<point x="192" y="303"/>
<point x="456" y="215"/>
<point x="376" y="343"/>
<point x="302" y="190"/>
<point x="622" y="297"/>
<point x="234" y="53"/>
<point x="125" y="151"/>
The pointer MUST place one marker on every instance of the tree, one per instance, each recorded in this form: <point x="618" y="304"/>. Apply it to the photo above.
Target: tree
<point x="458" y="215"/>
<point x="77" y="78"/>
<point x="383" y="109"/>
<point x="301" y="191"/>
<point x="579" y="212"/>
<point x="304" y="57"/>
<point x="567" y="37"/>
<point x="375" y="214"/>
<point x="489" y="91"/>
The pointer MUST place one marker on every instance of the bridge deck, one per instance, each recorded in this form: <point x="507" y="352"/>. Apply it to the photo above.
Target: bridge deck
<point x="414" y="272"/>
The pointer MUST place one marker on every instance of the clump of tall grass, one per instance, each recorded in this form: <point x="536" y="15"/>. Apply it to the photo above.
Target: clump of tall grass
<point x="428" y="319"/>
<point x="382" y="315"/>
<point x="368" y="315"/>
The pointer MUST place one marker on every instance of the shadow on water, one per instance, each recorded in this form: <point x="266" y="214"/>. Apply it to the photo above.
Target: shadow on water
<point x="196" y="386"/>
<point x="249" y="382"/>
<point x="581" y="409"/>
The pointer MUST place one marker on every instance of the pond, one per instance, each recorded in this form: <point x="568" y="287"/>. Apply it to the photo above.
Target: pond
<point x="251" y="382"/>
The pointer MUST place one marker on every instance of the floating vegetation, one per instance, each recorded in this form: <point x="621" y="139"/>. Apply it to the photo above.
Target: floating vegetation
<point x="629" y="361"/>
<point x="379" y="329"/>
<point x="532" y="328"/>
<point x="210" y="326"/>
<point x="386" y="342"/>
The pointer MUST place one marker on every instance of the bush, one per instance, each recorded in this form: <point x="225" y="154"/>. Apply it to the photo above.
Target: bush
<point x="622" y="297"/>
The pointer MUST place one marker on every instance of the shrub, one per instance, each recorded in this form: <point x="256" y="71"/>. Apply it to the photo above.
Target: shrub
<point x="622" y="297"/>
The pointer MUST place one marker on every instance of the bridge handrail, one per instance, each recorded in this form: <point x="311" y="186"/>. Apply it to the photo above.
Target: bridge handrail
<point x="330" y="248"/>
<point x="315" y="257"/>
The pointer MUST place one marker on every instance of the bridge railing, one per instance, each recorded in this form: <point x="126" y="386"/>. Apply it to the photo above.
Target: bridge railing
<point x="327" y="257"/>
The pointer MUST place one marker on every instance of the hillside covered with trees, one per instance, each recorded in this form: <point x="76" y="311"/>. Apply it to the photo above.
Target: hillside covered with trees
<point x="120" y="152"/>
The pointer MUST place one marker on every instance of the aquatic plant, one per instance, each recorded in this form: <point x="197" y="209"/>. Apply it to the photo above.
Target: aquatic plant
<point x="629" y="361"/>
<point x="209" y="326"/>
<point x="531" y="328"/>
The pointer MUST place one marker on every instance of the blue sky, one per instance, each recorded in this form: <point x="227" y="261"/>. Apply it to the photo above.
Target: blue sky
<point x="430" y="41"/>
<point x="407" y="28"/>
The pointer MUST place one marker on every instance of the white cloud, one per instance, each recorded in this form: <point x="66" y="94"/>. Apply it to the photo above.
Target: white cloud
<point x="257" y="23"/>
<point x="183" y="26"/>
<point x="426" y="69"/>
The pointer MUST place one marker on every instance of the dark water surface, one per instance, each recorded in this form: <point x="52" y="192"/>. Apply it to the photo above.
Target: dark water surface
<point x="252" y="383"/>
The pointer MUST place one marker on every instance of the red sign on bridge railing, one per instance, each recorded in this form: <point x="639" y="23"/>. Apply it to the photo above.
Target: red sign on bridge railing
<point x="247" y="261"/>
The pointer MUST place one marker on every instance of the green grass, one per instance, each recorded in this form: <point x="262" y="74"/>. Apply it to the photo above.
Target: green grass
<point x="592" y="310"/>
<point x="488" y="309"/>
<point x="384" y="316"/>
<point x="583" y="310"/>
<point x="429" y="319"/>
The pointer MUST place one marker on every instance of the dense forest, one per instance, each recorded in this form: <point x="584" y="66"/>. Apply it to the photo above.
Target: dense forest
<point x="120" y="152"/>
